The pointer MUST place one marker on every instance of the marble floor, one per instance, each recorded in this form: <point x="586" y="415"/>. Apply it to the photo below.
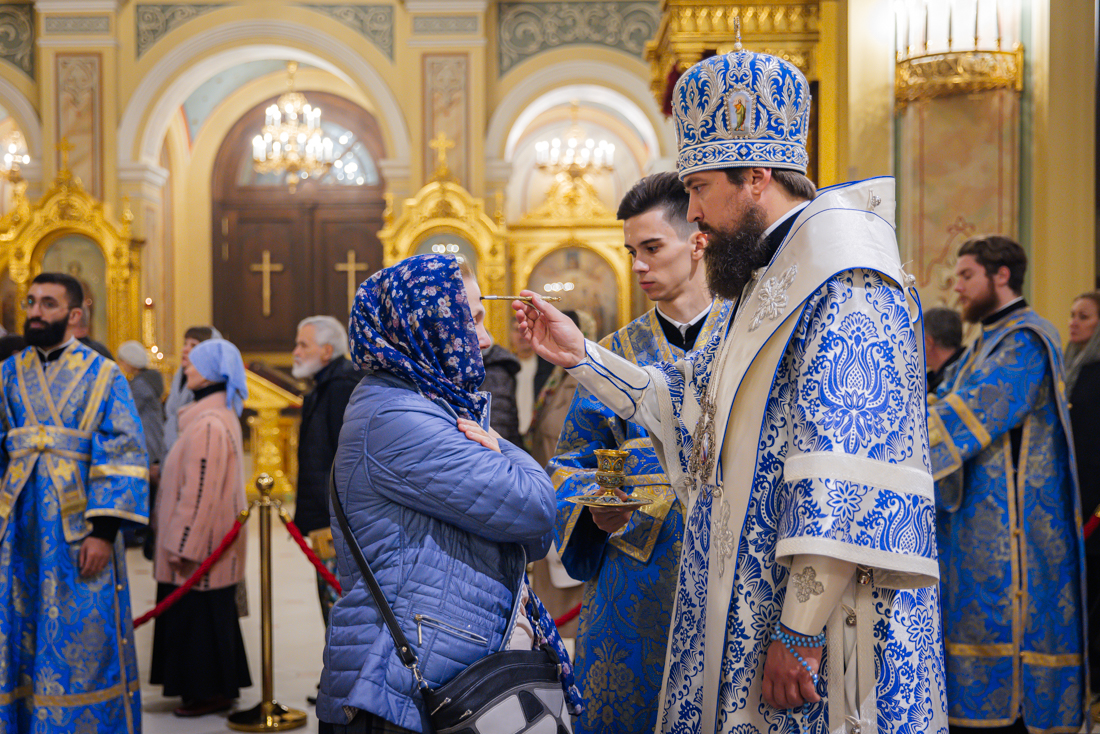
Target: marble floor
<point x="298" y="630"/>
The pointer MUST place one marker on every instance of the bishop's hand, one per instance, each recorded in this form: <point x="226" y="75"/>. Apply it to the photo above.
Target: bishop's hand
<point x="787" y="683"/>
<point x="553" y="334"/>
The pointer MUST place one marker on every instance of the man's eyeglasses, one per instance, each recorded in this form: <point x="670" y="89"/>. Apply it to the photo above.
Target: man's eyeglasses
<point x="45" y="304"/>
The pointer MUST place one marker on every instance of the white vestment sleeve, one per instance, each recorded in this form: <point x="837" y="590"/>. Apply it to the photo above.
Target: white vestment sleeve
<point x="815" y="585"/>
<point x="621" y="385"/>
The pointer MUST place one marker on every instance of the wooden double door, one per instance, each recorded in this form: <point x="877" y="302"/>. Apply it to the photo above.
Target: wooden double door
<point x="279" y="265"/>
<point x="278" y="256"/>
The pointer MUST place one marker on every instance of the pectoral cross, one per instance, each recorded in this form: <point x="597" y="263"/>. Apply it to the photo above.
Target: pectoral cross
<point x="351" y="267"/>
<point x="266" y="268"/>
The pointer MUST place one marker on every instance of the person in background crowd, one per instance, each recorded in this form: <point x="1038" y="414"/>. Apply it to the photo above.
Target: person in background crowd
<point x="501" y="367"/>
<point x="198" y="651"/>
<point x="628" y="559"/>
<point x="532" y="375"/>
<point x="147" y="387"/>
<point x="1006" y="489"/>
<point x="445" y="511"/>
<point x="943" y="334"/>
<point x="10" y="344"/>
<point x="83" y="327"/>
<point x="178" y="393"/>
<point x="74" y="471"/>
<point x="321" y="354"/>
<point x="1083" y="392"/>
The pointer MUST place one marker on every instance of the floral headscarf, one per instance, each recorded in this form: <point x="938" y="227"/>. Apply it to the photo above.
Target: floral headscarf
<point x="413" y="320"/>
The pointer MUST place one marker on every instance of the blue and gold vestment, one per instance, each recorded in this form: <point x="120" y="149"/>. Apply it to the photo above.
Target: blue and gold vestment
<point x="72" y="450"/>
<point x="1010" y="532"/>
<point x="630" y="577"/>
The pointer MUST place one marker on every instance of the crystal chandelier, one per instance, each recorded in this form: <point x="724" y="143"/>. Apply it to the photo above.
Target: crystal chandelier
<point x="15" y="155"/>
<point x="576" y="155"/>
<point x="291" y="139"/>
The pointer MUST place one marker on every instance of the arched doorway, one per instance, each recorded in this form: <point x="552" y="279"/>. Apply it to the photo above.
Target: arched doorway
<point x="279" y="257"/>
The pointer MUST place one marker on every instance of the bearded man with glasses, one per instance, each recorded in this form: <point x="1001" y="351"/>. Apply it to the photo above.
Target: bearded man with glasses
<point x="74" y="469"/>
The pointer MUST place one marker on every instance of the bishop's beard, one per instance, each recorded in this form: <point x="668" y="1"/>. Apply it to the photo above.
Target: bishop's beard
<point x="732" y="256"/>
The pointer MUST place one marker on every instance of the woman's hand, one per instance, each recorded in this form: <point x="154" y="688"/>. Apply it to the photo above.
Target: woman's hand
<point x="180" y="565"/>
<point x="553" y="334"/>
<point x="476" y="433"/>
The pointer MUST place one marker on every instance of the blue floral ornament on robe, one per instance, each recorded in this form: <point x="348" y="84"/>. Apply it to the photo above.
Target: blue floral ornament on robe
<point x="414" y="321"/>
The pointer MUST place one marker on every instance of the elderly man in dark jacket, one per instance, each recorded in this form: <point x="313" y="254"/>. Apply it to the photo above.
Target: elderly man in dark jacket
<point x="320" y="352"/>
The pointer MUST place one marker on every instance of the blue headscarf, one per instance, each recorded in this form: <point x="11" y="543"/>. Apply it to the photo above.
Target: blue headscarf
<point x="413" y="321"/>
<point x="219" y="361"/>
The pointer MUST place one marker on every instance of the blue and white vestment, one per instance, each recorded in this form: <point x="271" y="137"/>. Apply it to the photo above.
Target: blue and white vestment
<point x="817" y="446"/>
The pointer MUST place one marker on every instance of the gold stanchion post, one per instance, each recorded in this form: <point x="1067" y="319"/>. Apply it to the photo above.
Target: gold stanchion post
<point x="268" y="714"/>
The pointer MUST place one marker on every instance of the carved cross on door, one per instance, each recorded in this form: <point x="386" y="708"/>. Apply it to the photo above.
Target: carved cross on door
<point x="352" y="268"/>
<point x="266" y="268"/>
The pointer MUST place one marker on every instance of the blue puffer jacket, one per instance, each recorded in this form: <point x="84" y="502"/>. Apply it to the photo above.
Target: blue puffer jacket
<point x="447" y="527"/>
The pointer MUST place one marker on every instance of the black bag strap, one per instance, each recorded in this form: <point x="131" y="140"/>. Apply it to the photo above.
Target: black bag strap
<point x="404" y="649"/>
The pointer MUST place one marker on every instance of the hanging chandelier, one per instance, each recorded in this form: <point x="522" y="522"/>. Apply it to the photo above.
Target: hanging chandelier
<point x="14" y="155"/>
<point x="575" y="154"/>
<point x="291" y="140"/>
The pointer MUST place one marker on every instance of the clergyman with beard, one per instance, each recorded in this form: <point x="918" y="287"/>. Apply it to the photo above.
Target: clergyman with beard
<point x="74" y="471"/>
<point x="320" y="353"/>
<point x="1010" y="541"/>
<point x="795" y="437"/>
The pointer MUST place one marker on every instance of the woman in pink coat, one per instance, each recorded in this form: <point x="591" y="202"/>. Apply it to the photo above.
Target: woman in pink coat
<point x="198" y="651"/>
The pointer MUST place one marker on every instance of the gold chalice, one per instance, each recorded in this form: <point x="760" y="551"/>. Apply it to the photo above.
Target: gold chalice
<point x="610" y="475"/>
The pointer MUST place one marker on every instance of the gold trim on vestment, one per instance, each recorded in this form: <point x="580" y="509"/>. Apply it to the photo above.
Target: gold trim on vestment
<point x="101" y="471"/>
<point x="112" y="512"/>
<point x="79" y="366"/>
<point x="996" y="650"/>
<point x="1017" y="561"/>
<point x="1047" y="660"/>
<point x="938" y="430"/>
<point x="95" y="401"/>
<point x="36" y="700"/>
<point x="969" y="419"/>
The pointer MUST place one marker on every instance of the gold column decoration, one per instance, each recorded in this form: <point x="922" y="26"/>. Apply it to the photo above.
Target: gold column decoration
<point x="28" y="230"/>
<point x="571" y="216"/>
<point x="272" y="438"/>
<point x="445" y="207"/>
<point x="693" y="29"/>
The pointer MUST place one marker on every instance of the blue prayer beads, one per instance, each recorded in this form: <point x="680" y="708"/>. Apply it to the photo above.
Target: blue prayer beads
<point x="789" y="641"/>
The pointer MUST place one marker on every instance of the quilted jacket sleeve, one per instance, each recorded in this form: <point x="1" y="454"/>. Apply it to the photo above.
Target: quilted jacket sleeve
<point x="417" y="457"/>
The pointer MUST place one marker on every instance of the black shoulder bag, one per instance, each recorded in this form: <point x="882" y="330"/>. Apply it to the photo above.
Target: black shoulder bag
<point x="510" y="690"/>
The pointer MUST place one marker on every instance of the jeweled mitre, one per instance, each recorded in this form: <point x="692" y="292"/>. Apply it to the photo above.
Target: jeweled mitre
<point x="742" y="109"/>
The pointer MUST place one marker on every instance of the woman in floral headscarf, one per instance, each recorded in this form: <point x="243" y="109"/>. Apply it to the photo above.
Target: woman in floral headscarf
<point x="446" y="512"/>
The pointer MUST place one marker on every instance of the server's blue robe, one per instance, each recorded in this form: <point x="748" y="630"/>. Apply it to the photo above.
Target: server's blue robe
<point x="72" y="450"/>
<point x="1010" y="540"/>
<point x="630" y="577"/>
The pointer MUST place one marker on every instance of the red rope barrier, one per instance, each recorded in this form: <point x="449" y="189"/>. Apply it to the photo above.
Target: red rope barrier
<point x="568" y="616"/>
<point x="1090" y="526"/>
<point x="297" y="535"/>
<point x="172" y="598"/>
